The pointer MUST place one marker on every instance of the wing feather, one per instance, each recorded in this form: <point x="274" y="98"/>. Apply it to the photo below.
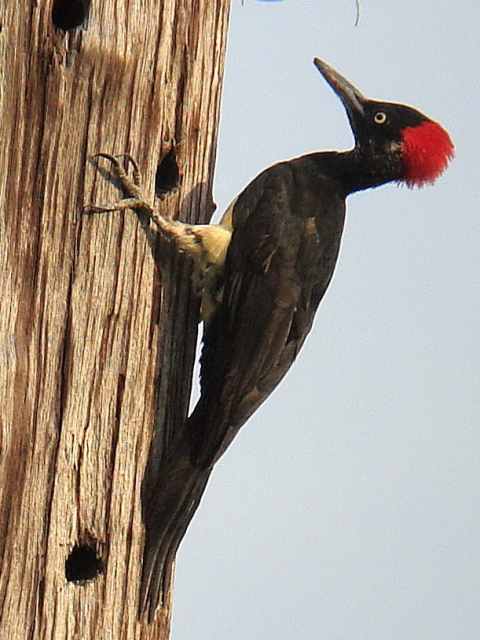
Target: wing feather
<point x="275" y="275"/>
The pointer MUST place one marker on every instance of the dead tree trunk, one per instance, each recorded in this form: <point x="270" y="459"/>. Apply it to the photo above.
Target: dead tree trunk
<point x="94" y="339"/>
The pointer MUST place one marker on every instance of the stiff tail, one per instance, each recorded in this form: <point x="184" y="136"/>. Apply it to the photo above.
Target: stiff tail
<point x="172" y="505"/>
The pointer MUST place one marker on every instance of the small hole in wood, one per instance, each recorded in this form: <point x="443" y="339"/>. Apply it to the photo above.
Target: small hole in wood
<point x="70" y="14"/>
<point x="83" y="564"/>
<point x="167" y="177"/>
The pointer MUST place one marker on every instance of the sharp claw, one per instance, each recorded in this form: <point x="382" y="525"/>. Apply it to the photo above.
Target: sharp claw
<point x="90" y="209"/>
<point x="113" y="159"/>
<point x="132" y="160"/>
<point x="116" y="162"/>
<point x="107" y="156"/>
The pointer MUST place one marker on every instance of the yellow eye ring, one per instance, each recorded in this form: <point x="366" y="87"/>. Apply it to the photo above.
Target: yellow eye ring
<point x="380" y="117"/>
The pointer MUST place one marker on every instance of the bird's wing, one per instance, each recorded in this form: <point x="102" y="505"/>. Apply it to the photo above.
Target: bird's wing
<point x="274" y="280"/>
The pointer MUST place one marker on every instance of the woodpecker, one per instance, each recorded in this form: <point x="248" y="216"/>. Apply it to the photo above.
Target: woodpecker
<point x="261" y="274"/>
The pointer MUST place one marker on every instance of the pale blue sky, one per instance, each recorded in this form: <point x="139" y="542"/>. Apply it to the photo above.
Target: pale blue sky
<point x="348" y="506"/>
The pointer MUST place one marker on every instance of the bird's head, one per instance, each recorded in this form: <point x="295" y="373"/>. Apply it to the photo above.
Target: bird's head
<point x="401" y="143"/>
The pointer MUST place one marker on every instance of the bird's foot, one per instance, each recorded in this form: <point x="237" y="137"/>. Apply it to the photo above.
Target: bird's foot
<point x="206" y="245"/>
<point x="131" y="187"/>
<point x="135" y="199"/>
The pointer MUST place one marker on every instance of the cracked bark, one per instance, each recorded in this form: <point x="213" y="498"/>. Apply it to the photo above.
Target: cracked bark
<point x="96" y="342"/>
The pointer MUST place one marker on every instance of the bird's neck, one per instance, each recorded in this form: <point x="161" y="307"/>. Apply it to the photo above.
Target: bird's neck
<point x="358" y="169"/>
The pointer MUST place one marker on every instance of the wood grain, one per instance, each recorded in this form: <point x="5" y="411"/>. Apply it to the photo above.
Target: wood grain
<point x="96" y="342"/>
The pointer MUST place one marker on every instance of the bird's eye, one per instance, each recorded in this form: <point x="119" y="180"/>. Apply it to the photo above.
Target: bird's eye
<point x="380" y="117"/>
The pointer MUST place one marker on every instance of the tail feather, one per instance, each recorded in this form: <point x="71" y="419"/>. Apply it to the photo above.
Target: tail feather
<point x="172" y="506"/>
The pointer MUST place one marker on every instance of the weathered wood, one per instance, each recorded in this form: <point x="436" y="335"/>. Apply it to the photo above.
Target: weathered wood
<point x="90" y="330"/>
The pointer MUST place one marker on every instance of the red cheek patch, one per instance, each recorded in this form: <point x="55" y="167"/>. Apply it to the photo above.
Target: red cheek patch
<point x="427" y="150"/>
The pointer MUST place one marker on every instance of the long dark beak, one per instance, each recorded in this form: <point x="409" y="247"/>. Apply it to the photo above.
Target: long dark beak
<point x="352" y="99"/>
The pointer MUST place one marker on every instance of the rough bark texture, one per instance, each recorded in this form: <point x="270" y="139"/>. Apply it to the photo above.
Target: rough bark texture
<point x="96" y="345"/>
